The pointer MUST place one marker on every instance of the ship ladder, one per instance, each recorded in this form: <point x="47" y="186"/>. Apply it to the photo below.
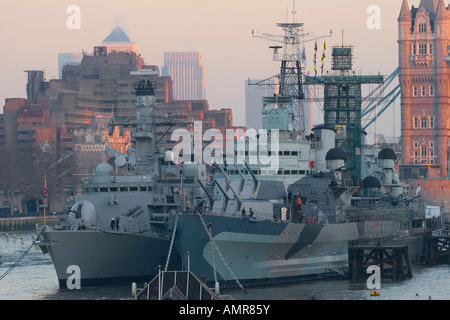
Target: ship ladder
<point x="171" y="243"/>
<point x="219" y="253"/>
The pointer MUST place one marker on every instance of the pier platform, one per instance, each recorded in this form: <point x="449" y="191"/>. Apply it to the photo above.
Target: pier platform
<point x="437" y="249"/>
<point x="393" y="261"/>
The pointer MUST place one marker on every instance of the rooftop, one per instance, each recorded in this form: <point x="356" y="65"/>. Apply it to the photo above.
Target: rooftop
<point x="117" y="36"/>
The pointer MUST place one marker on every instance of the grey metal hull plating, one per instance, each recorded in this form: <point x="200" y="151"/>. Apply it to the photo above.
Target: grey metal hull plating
<point x="263" y="252"/>
<point x="105" y="257"/>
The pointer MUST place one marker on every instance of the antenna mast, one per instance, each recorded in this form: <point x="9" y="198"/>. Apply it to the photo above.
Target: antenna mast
<point x="290" y="77"/>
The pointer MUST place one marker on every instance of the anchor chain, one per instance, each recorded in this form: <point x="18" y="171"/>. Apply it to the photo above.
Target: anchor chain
<point x="171" y="243"/>
<point x="219" y="253"/>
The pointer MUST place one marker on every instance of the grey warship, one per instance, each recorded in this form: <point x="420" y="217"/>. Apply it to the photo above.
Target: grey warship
<point x="258" y="229"/>
<point x="263" y="226"/>
<point x="117" y="228"/>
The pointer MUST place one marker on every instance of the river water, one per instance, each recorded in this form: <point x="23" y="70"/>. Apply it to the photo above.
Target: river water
<point x="34" y="278"/>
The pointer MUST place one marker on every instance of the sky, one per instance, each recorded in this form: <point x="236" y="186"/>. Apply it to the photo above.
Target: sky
<point x="33" y="33"/>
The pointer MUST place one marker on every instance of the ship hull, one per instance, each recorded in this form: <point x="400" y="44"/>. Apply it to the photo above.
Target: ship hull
<point x="105" y="257"/>
<point x="262" y="252"/>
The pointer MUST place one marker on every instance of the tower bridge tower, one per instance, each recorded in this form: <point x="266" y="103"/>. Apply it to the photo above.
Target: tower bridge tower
<point x="424" y="75"/>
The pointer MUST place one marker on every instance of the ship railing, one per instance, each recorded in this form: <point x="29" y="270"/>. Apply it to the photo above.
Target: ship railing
<point x="337" y="268"/>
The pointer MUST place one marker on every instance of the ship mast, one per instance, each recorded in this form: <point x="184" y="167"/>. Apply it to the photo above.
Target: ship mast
<point x="290" y="78"/>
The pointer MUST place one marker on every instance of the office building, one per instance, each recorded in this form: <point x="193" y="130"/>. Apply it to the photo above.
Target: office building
<point x="187" y="73"/>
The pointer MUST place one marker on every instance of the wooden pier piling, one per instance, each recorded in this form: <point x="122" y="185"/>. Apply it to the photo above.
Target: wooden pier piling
<point x="393" y="261"/>
<point x="437" y="249"/>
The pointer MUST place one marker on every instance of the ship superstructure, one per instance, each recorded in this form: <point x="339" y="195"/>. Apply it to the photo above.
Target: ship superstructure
<point x="117" y="228"/>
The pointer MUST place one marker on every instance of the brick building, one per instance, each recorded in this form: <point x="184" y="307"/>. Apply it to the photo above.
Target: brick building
<point x="424" y="37"/>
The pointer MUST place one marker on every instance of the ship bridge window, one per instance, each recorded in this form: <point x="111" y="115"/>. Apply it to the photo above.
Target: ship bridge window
<point x="294" y="172"/>
<point x="287" y="153"/>
<point x="150" y="188"/>
<point x="123" y="189"/>
<point x="143" y="188"/>
<point x="133" y="189"/>
<point x="302" y="171"/>
<point x="295" y="153"/>
<point x="170" y="199"/>
<point x="113" y="189"/>
<point x="103" y="189"/>
<point x="94" y="189"/>
<point x="280" y="172"/>
<point x="287" y="172"/>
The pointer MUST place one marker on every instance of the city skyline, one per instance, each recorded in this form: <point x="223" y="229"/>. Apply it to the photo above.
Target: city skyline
<point x="221" y="30"/>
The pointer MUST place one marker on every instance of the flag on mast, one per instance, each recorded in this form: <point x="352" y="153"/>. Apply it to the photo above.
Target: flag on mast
<point x="315" y="59"/>
<point x="323" y="55"/>
<point x="303" y="56"/>
<point x="45" y="190"/>
<point x="181" y="184"/>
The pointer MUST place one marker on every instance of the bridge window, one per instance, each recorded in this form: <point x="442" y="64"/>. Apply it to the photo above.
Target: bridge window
<point x="424" y="91"/>
<point x="424" y="123"/>
<point x="423" y="48"/>
<point x="422" y="27"/>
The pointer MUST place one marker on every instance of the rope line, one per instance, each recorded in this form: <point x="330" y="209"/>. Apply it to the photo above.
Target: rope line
<point x="21" y="257"/>
<point x="171" y="243"/>
<point x="219" y="253"/>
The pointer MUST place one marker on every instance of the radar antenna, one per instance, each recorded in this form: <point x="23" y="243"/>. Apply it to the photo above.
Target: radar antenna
<point x="290" y="54"/>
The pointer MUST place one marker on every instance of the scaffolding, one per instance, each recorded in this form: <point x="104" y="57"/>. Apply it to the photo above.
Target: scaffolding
<point x="342" y="104"/>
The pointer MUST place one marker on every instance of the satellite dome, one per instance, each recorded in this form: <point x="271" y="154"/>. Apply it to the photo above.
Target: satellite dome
<point x="387" y="154"/>
<point x="83" y="210"/>
<point x="371" y="182"/>
<point x="336" y="154"/>
<point x="104" y="169"/>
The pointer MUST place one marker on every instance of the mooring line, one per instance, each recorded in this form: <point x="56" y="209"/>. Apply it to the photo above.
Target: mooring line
<point x="21" y="257"/>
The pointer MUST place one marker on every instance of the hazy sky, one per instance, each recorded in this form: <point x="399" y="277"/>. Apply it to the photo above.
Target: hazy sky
<point x="32" y="34"/>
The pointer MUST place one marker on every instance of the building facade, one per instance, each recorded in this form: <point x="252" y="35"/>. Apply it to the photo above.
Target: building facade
<point x="255" y="90"/>
<point x="187" y="73"/>
<point x="71" y="59"/>
<point x="424" y="75"/>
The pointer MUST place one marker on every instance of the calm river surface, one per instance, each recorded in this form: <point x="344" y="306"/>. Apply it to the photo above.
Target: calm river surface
<point x="34" y="278"/>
